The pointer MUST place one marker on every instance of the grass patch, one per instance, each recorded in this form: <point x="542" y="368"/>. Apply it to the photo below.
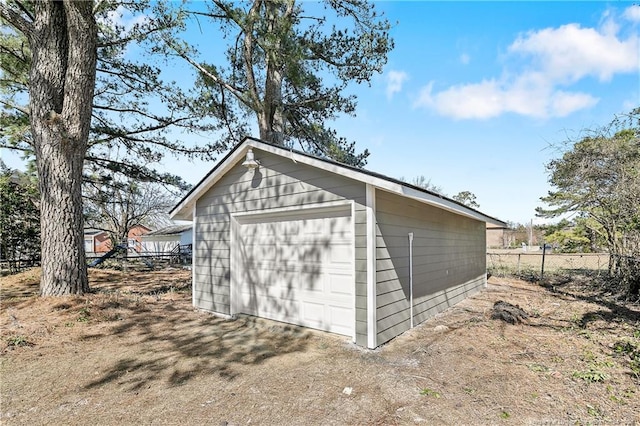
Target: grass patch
<point x="538" y="368"/>
<point x="18" y="341"/>
<point x="430" y="392"/>
<point x="84" y="314"/>
<point x="630" y="351"/>
<point x="592" y="375"/>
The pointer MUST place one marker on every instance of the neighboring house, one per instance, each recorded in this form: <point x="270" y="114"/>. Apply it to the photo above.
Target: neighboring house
<point x="166" y="240"/>
<point x="288" y="236"/>
<point x="497" y="237"/>
<point x="97" y="241"/>
<point x="134" y="237"/>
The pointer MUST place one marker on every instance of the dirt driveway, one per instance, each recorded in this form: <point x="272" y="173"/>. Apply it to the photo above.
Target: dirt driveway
<point x="136" y="352"/>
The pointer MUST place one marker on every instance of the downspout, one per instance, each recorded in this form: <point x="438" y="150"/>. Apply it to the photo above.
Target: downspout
<point x="194" y="222"/>
<point x="411" y="276"/>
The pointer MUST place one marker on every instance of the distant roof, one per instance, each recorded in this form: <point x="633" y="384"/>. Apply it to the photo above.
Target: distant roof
<point x="92" y="231"/>
<point x="95" y="231"/>
<point x="171" y="230"/>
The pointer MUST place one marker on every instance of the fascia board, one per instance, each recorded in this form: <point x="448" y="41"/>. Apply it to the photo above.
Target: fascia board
<point x="393" y="187"/>
<point x="183" y="209"/>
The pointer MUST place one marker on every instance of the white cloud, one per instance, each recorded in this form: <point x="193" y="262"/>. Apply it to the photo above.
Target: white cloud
<point x="395" y="80"/>
<point x="632" y="13"/>
<point x="554" y="59"/>
<point x="492" y="98"/>
<point x="481" y="100"/>
<point x="465" y="59"/>
<point x="562" y="103"/>
<point x="569" y="53"/>
<point x="123" y="17"/>
<point x="608" y="24"/>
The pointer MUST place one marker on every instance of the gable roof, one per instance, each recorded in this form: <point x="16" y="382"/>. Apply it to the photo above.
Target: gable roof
<point x="169" y="230"/>
<point x="184" y="209"/>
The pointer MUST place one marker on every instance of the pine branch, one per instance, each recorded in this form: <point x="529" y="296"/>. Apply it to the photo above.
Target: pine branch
<point x="17" y="20"/>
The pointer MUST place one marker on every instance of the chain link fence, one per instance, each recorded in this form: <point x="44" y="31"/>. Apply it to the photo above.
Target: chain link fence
<point x="620" y="274"/>
<point x="536" y="264"/>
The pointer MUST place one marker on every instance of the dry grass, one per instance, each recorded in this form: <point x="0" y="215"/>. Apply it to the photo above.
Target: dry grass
<point x="135" y="352"/>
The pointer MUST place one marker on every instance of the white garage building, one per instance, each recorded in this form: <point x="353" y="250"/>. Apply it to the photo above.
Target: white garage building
<point x="288" y="236"/>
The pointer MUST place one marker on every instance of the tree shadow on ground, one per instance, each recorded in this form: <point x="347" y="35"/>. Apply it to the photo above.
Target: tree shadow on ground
<point x="586" y="289"/>
<point x="173" y="344"/>
<point x="17" y="288"/>
<point x="145" y="329"/>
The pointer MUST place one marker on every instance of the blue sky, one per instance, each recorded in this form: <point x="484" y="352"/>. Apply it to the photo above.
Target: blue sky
<point x="475" y="94"/>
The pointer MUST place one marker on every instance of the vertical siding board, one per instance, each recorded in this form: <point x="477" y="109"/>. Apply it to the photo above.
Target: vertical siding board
<point x="370" y="249"/>
<point x="360" y="241"/>
<point x="449" y="261"/>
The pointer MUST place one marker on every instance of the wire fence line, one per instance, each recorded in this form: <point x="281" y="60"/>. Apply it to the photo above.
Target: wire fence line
<point x="537" y="263"/>
<point x="616" y="272"/>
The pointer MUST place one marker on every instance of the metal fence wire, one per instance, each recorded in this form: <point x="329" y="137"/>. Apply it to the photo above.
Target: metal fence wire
<point x="538" y="263"/>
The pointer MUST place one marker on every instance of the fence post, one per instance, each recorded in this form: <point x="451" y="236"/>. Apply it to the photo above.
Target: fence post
<point x="543" y="253"/>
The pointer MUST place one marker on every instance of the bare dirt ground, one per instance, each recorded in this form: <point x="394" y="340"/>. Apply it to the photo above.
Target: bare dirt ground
<point x="136" y="352"/>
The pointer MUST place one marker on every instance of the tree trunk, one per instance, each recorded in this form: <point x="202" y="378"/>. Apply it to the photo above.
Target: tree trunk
<point x="62" y="79"/>
<point x="271" y="123"/>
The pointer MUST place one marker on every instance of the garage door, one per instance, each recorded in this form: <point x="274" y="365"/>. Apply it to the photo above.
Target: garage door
<point x="297" y="268"/>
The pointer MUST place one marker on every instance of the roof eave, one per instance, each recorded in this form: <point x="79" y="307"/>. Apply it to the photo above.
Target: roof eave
<point x="184" y="209"/>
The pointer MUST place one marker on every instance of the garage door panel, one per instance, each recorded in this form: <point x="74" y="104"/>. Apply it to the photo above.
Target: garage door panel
<point x="258" y="253"/>
<point x="301" y="269"/>
<point x="274" y="267"/>
<point x="311" y="285"/>
<point x="313" y="314"/>
<point x="341" y="319"/>
<point x="268" y="297"/>
<point x="341" y="255"/>
<point x="284" y="288"/>
<point x="340" y="284"/>
<point x="325" y="317"/>
<point x="268" y="304"/>
<point x="288" y="252"/>
<point x="289" y="294"/>
<point x="313" y="227"/>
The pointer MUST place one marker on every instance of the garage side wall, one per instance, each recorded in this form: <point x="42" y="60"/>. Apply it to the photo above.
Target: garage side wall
<point x="449" y="261"/>
<point x="278" y="183"/>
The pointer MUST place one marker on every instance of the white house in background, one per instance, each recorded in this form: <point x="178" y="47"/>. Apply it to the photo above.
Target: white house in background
<point x="292" y="237"/>
<point x="166" y="240"/>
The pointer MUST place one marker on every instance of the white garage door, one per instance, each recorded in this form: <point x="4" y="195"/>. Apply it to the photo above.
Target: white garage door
<point x="297" y="268"/>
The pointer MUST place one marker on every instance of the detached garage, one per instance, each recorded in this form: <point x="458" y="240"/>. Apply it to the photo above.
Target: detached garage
<point x="287" y="236"/>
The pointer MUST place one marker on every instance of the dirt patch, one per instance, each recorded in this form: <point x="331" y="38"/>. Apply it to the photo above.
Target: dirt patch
<point x="135" y="351"/>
